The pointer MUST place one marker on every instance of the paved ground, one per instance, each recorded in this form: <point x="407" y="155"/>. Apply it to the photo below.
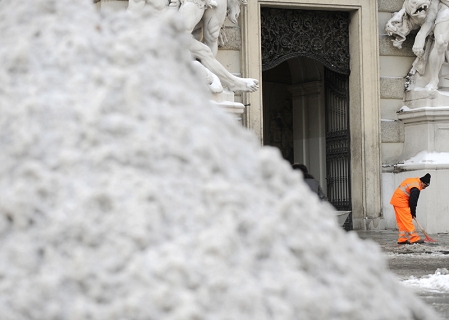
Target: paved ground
<point x="416" y="260"/>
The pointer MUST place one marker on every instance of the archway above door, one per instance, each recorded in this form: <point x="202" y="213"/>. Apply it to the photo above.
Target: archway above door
<point x="304" y="69"/>
<point x="320" y="35"/>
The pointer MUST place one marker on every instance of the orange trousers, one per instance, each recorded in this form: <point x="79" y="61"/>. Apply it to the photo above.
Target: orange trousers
<point x="405" y="224"/>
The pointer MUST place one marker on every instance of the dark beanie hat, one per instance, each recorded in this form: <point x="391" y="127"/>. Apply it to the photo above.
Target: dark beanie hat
<point x="426" y="179"/>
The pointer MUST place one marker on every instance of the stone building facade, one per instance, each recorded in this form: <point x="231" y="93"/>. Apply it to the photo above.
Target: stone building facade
<point x="290" y="110"/>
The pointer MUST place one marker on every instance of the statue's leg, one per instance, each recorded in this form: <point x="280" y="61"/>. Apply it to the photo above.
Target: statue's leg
<point x="203" y="53"/>
<point x="211" y="79"/>
<point x="211" y="30"/>
<point x="213" y="20"/>
<point x="437" y="55"/>
<point x="191" y="15"/>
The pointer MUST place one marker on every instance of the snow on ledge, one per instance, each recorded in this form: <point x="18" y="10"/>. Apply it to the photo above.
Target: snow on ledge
<point x="407" y="109"/>
<point x="425" y="159"/>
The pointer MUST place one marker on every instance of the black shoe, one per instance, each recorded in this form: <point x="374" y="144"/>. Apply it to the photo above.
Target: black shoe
<point x="417" y="242"/>
<point x="404" y="242"/>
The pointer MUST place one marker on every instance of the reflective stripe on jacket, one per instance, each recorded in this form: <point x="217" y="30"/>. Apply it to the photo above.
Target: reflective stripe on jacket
<point x="401" y="196"/>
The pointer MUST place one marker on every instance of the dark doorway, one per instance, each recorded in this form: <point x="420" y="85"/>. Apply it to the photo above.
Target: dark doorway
<point x="278" y="114"/>
<point x="305" y="84"/>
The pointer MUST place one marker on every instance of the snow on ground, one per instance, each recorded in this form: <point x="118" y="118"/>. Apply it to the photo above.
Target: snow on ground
<point x="127" y="195"/>
<point x="438" y="282"/>
<point x="433" y="249"/>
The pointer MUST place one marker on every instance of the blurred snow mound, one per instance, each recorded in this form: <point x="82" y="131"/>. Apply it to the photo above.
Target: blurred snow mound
<point x="437" y="282"/>
<point x="126" y="195"/>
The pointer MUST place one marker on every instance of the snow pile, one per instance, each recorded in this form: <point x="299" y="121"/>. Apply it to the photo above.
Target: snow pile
<point x="437" y="282"/>
<point x="126" y="195"/>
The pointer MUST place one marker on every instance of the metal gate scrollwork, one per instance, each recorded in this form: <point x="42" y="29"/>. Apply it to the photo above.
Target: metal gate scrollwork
<point x="338" y="146"/>
<point x="321" y="35"/>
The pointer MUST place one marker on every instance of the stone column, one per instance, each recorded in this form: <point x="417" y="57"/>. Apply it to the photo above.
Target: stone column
<point x="309" y="141"/>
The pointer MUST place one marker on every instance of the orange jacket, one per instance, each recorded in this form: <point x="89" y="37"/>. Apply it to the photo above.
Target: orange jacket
<point x="401" y="196"/>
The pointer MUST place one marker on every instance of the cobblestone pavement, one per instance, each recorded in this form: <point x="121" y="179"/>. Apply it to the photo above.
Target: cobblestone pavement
<point x="417" y="261"/>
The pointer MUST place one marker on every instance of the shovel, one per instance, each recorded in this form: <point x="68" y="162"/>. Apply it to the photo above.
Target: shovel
<point x="427" y="239"/>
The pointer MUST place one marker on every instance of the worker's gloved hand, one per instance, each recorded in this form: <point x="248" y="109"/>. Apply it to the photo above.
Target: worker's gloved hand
<point x="413" y="212"/>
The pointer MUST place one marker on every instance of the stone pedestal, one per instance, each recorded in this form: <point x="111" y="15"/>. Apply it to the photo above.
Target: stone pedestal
<point x="426" y="122"/>
<point x="421" y="98"/>
<point x="226" y="101"/>
<point x="426" y="149"/>
<point x="420" y="81"/>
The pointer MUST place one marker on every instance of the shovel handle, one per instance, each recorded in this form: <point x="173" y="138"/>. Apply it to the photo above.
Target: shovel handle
<point x="424" y="231"/>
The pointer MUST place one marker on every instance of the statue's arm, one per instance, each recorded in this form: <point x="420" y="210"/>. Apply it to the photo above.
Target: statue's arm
<point x="426" y="28"/>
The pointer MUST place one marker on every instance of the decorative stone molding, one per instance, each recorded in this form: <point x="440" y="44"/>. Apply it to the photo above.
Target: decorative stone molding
<point x="234" y="39"/>
<point x="423" y="98"/>
<point x="321" y="35"/>
<point x="426" y="115"/>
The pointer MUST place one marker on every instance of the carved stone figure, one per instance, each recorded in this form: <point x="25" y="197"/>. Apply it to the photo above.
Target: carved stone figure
<point x="430" y="46"/>
<point x="210" y="78"/>
<point x="204" y="20"/>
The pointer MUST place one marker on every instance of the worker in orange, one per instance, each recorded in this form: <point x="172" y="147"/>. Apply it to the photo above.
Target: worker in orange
<point x="404" y="201"/>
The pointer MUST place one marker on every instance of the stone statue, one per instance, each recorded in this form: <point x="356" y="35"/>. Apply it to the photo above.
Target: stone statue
<point x="431" y="17"/>
<point x="204" y="19"/>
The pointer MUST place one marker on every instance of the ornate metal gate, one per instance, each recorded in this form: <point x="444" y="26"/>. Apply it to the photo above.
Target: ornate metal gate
<point x="321" y="35"/>
<point x="338" y="142"/>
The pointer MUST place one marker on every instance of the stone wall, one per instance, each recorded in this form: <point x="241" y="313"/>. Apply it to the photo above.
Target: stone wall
<point x="423" y="130"/>
<point x="394" y="65"/>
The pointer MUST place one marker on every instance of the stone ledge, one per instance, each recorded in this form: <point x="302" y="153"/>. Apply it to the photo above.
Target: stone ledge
<point x="400" y="167"/>
<point x="425" y="115"/>
<point x="423" y="98"/>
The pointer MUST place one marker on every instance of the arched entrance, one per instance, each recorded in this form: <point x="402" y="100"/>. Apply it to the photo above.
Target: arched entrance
<point x="364" y="100"/>
<point x="305" y="85"/>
